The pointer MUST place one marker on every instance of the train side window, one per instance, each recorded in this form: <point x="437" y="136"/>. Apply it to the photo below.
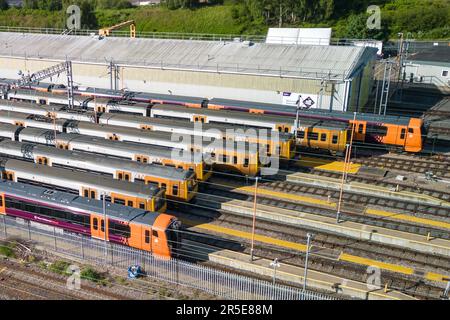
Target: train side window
<point x="127" y="177"/>
<point x="120" y="176"/>
<point x="141" y="205"/>
<point x="144" y="160"/>
<point x="119" y="229"/>
<point x="138" y="159"/>
<point x="335" y="139"/>
<point x="147" y="236"/>
<point x="86" y="193"/>
<point x="119" y="201"/>
<point x="377" y="130"/>
<point x="403" y="133"/>
<point x="130" y="203"/>
<point x="360" y="128"/>
<point x="323" y="137"/>
<point x="102" y="225"/>
<point x="245" y="162"/>
<point x="410" y="130"/>
<point x="286" y="130"/>
<point x="300" y="134"/>
<point x="235" y="159"/>
<point x="175" y="190"/>
<point x="93" y="195"/>
<point x="1" y="201"/>
<point x="155" y="233"/>
<point x="95" y="224"/>
<point x="313" y="136"/>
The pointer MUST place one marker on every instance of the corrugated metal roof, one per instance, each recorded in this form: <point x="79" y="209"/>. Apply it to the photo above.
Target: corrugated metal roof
<point x="305" y="61"/>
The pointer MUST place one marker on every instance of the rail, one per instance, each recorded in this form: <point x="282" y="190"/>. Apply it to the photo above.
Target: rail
<point x="216" y="282"/>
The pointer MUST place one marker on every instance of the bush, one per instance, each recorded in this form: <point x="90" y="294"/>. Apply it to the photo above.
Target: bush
<point x="7" y="251"/>
<point x="91" y="274"/>
<point x="60" y="267"/>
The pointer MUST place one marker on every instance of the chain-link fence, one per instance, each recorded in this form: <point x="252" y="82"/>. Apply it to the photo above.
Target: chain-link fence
<point x="217" y="282"/>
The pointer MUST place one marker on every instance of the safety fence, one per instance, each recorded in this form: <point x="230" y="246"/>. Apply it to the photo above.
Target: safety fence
<point x="220" y="283"/>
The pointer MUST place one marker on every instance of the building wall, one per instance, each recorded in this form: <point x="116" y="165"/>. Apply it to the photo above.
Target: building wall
<point x="430" y="73"/>
<point x="188" y="83"/>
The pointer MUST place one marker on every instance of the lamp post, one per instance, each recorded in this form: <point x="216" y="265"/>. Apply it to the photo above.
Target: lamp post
<point x="447" y="289"/>
<point x="254" y="219"/>
<point x="104" y="224"/>
<point x="348" y="151"/>
<point x="308" y="243"/>
<point x="275" y="264"/>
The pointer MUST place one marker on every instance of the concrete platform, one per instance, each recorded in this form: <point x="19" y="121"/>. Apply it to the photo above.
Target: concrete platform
<point x="320" y="202"/>
<point x="316" y="279"/>
<point x="365" y="189"/>
<point x="347" y="228"/>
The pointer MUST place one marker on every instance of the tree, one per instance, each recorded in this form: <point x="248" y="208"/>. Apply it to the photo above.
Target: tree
<point x="4" y="5"/>
<point x="357" y="28"/>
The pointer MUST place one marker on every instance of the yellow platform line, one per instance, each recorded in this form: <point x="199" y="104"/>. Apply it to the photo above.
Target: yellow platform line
<point x="301" y="247"/>
<point x="375" y="212"/>
<point x="379" y="264"/>
<point x="405" y="217"/>
<point x="288" y="196"/>
<point x="328" y="165"/>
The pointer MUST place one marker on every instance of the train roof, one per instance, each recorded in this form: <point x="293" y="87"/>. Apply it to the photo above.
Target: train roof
<point x="139" y="96"/>
<point x="131" y="147"/>
<point x="174" y="124"/>
<point x="74" y="202"/>
<point x="160" y="136"/>
<point x="84" y="179"/>
<point x="284" y="110"/>
<point x="33" y="94"/>
<point x="227" y="114"/>
<point x="147" y="169"/>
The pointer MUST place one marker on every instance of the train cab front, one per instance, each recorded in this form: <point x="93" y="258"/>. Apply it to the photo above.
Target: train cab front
<point x="166" y="237"/>
<point x="414" y="137"/>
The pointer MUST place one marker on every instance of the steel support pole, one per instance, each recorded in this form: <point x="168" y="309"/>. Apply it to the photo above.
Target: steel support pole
<point x="254" y="219"/>
<point x="341" y="191"/>
<point x="308" y="243"/>
<point x="104" y="223"/>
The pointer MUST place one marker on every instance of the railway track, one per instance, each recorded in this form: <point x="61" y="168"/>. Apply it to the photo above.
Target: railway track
<point x="439" y="168"/>
<point x="440" y="130"/>
<point x="352" y="202"/>
<point x="221" y="195"/>
<point x="327" y="262"/>
<point x="21" y="282"/>
<point x="402" y="186"/>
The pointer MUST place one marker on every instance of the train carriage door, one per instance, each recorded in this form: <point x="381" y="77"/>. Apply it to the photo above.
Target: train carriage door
<point x="359" y="130"/>
<point x="402" y="136"/>
<point x="146" y="238"/>
<point x="2" y="204"/>
<point x="98" y="227"/>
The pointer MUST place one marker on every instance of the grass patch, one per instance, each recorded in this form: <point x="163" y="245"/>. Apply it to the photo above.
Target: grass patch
<point x="7" y="251"/>
<point x="93" y="275"/>
<point x="60" y="267"/>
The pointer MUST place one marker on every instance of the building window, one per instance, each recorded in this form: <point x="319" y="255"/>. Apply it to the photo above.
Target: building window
<point x="445" y="73"/>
